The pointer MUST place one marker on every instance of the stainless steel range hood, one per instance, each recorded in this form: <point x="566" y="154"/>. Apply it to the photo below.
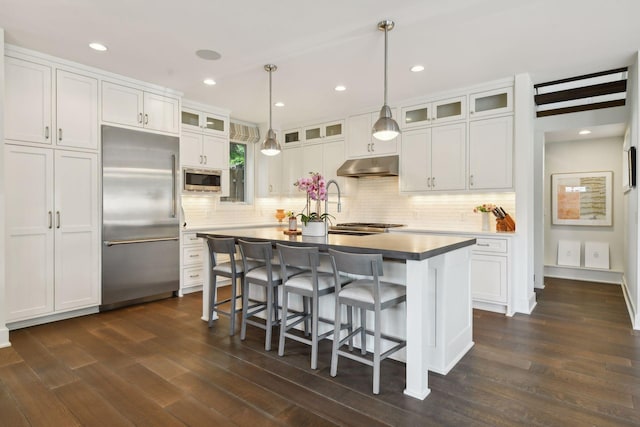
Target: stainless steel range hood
<point x="372" y="166"/>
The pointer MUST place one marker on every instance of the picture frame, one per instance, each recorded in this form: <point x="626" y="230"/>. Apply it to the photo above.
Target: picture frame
<point x="583" y="198"/>
<point x="632" y="166"/>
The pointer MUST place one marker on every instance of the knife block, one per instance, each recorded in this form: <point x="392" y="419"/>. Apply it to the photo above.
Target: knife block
<point x="505" y="224"/>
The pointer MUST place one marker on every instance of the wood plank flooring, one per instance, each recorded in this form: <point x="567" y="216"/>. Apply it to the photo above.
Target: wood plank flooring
<point x="574" y="362"/>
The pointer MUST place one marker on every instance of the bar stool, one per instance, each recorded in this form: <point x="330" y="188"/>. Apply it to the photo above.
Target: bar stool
<point x="310" y="284"/>
<point x="366" y="294"/>
<point x="259" y="270"/>
<point x="233" y="270"/>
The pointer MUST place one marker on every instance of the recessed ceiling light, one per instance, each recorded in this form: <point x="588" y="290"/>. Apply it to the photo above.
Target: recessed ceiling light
<point x="417" y="68"/>
<point x="340" y="88"/>
<point x="209" y="82"/>
<point x="279" y="104"/>
<point x="208" y="54"/>
<point x="98" y="46"/>
<point x="584" y="132"/>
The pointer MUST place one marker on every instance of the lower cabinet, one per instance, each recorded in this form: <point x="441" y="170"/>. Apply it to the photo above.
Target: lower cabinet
<point x="53" y="247"/>
<point x="490" y="274"/>
<point x="192" y="262"/>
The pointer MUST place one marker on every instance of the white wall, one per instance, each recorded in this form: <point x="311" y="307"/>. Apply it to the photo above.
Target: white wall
<point x="630" y="277"/>
<point x="585" y="156"/>
<point x="4" y="332"/>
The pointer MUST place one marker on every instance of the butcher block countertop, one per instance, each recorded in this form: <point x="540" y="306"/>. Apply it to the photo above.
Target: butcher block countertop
<point x="399" y="246"/>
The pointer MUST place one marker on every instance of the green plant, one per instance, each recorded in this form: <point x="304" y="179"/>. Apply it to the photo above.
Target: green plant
<point x="313" y="216"/>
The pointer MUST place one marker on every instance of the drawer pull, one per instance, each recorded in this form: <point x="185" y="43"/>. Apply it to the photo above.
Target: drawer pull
<point x="486" y="245"/>
<point x="193" y="276"/>
<point x="194" y="256"/>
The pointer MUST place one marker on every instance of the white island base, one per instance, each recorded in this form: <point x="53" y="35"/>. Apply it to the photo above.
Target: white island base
<point x="437" y="320"/>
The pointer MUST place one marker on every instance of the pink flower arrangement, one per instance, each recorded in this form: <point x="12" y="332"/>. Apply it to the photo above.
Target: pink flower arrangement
<point x="316" y="189"/>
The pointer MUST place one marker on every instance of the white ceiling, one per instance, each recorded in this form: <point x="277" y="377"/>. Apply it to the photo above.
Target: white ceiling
<point x="319" y="44"/>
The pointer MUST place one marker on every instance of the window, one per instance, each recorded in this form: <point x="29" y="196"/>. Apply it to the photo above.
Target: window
<point x="237" y="169"/>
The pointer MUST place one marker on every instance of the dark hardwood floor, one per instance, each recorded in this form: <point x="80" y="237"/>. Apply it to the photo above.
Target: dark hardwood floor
<point x="574" y="362"/>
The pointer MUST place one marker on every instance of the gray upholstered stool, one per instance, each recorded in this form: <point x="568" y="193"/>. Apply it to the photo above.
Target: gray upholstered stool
<point x="310" y="284"/>
<point x="366" y="294"/>
<point x="259" y="270"/>
<point x="233" y="269"/>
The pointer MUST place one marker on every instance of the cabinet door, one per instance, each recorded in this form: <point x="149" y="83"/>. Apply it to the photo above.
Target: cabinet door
<point x="161" y="113"/>
<point x="359" y="136"/>
<point x="448" y="157"/>
<point x="191" y="120"/>
<point x="382" y="148"/>
<point x="292" y="169"/>
<point x="29" y="231"/>
<point x="215" y="124"/>
<point x="416" y="116"/>
<point x="491" y="153"/>
<point x="497" y="101"/>
<point x="215" y="152"/>
<point x="489" y="278"/>
<point x="292" y="137"/>
<point x="76" y="110"/>
<point x="268" y="179"/>
<point x="77" y="247"/>
<point x="448" y="110"/>
<point x="332" y="159"/>
<point x="191" y="149"/>
<point x="415" y="160"/>
<point x="27" y="101"/>
<point x="313" y="133"/>
<point x="333" y="130"/>
<point x="312" y="159"/>
<point x="122" y="105"/>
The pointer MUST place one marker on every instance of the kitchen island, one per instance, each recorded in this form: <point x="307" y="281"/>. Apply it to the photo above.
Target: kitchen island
<point x="434" y="268"/>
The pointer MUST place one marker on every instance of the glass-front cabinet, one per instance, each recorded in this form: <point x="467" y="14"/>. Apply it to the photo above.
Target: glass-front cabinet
<point x="324" y="131"/>
<point x="201" y="121"/>
<point x="426" y="114"/>
<point x="497" y="101"/>
<point x="292" y="137"/>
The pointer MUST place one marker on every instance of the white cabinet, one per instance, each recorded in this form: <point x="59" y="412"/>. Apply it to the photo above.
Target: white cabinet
<point x="435" y="112"/>
<point x="332" y="159"/>
<point x="491" y="102"/>
<point x="201" y="121"/>
<point x="433" y="159"/>
<point x="134" y="107"/>
<point x="489" y="273"/>
<point x="27" y="101"/>
<point x="204" y="151"/>
<point x="28" y="106"/>
<point x="292" y="137"/>
<point x="491" y="153"/>
<point x="360" y="141"/>
<point x="192" y="257"/>
<point x="52" y="231"/>
<point x="292" y="169"/>
<point x="268" y="181"/>
<point x="76" y="111"/>
<point x="324" y="131"/>
<point x="313" y="159"/>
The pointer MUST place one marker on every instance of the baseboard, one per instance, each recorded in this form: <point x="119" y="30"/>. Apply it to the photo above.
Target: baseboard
<point x="584" y="274"/>
<point x="51" y="318"/>
<point x="490" y="306"/>
<point x="4" y="338"/>
<point x="633" y="314"/>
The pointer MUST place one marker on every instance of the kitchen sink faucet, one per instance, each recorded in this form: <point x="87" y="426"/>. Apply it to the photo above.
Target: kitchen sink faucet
<point x="326" y="201"/>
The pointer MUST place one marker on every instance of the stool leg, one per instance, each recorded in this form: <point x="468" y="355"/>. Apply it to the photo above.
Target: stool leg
<point x="232" y="309"/>
<point x="306" y="310"/>
<point x="283" y="323"/>
<point x="212" y="297"/>
<point x="350" y="325"/>
<point x="376" y="352"/>
<point x="363" y="332"/>
<point x="269" y="315"/>
<point x="314" y="333"/>
<point x="245" y="305"/>
<point x="336" y="339"/>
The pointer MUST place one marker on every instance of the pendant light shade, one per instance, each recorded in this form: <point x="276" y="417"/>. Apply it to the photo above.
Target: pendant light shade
<point x="270" y="145"/>
<point x="385" y="128"/>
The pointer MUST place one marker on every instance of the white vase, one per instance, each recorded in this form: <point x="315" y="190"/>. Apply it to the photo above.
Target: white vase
<point x="485" y="221"/>
<point x="313" y="228"/>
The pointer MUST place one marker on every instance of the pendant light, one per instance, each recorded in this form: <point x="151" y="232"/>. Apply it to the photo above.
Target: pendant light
<point x="270" y="146"/>
<point x="385" y="129"/>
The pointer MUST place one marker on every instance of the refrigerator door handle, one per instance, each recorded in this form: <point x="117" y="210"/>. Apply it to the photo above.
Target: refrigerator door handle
<point x="173" y="186"/>
<point x="127" y="242"/>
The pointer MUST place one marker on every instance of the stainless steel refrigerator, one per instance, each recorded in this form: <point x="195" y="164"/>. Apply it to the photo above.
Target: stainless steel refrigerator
<point x="140" y="230"/>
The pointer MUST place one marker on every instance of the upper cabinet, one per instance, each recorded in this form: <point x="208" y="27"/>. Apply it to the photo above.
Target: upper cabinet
<point x="360" y="141"/>
<point x="324" y="131"/>
<point x="435" y="112"/>
<point x="29" y="97"/>
<point x="201" y="121"/>
<point x="134" y="107"/>
<point x="491" y="102"/>
<point x="204" y="151"/>
<point x="491" y="153"/>
<point x="292" y="137"/>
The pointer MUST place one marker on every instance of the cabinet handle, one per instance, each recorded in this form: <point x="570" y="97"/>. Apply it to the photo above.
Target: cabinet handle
<point x="373" y="147"/>
<point x="140" y="118"/>
<point x="270" y="188"/>
<point x="57" y="219"/>
<point x="146" y="119"/>
<point x="46" y="132"/>
<point x="194" y="256"/>
<point x="193" y="276"/>
<point x="429" y="182"/>
<point x="485" y="245"/>
<point x="174" y="186"/>
<point x="205" y="160"/>
<point x="471" y="180"/>
<point x="59" y="134"/>
<point x="368" y="148"/>
<point x="433" y="181"/>
<point x="50" y="220"/>
<point x="200" y="158"/>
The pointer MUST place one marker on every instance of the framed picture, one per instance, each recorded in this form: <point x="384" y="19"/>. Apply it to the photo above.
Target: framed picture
<point x="581" y="198"/>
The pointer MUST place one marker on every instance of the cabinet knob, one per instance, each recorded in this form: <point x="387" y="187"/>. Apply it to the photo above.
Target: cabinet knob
<point x="205" y="160"/>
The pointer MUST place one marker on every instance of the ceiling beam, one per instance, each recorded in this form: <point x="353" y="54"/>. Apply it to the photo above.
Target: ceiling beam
<point x="582" y="92"/>
<point x="577" y="108"/>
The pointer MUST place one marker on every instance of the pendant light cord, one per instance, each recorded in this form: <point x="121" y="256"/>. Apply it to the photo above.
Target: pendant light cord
<point x="270" y="127"/>
<point x="385" y="63"/>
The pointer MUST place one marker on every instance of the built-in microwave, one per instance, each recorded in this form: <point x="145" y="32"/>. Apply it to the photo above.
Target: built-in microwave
<point x="201" y="180"/>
